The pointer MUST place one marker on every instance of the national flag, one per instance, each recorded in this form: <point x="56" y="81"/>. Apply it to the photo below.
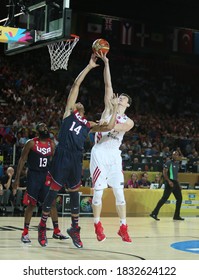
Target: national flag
<point x="141" y="35"/>
<point x="185" y="41"/>
<point x="111" y="31"/>
<point x="158" y="37"/>
<point x="126" y="33"/>
<point x="196" y="43"/>
<point x="94" y="26"/>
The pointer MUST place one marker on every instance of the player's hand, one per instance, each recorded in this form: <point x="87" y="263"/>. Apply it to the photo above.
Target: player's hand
<point x="115" y="100"/>
<point x="93" y="61"/>
<point x="102" y="55"/>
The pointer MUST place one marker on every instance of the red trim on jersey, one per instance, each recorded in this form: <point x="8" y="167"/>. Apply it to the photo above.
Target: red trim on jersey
<point x="81" y="119"/>
<point x="44" y="148"/>
<point x="96" y="174"/>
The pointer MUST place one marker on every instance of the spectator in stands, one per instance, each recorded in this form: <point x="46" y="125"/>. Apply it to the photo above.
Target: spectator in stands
<point x="24" y="138"/>
<point x="133" y="182"/>
<point x="136" y="165"/>
<point x="193" y="162"/>
<point x="136" y="147"/>
<point x="6" y="181"/>
<point x="157" y="182"/>
<point x="166" y="153"/>
<point x="178" y="149"/>
<point x="1" y="198"/>
<point x="144" y="183"/>
<point x="170" y="173"/>
<point x="10" y="200"/>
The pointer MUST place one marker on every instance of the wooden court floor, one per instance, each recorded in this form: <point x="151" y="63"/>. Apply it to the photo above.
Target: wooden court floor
<point x="152" y="240"/>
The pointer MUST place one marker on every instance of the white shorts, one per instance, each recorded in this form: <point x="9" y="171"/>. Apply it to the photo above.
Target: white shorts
<point x="106" y="168"/>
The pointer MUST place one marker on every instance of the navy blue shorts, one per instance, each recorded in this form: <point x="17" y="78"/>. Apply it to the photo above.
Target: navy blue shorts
<point x="66" y="168"/>
<point x="36" y="188"/>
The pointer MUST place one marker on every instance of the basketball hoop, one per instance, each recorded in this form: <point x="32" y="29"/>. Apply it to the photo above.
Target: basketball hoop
<point x="60" y="52"/>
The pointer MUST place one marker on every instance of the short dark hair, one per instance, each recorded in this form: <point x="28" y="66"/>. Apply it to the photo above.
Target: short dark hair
<point x="38" y="125"/>
<point x="129" y="98"/>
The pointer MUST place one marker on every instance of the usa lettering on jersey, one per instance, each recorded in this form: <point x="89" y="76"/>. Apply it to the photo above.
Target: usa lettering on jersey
<point x="78" y="116"/>
<point x="43" y="151"/>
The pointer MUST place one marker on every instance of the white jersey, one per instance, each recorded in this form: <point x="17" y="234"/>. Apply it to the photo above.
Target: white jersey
<point x="109" y="139"/>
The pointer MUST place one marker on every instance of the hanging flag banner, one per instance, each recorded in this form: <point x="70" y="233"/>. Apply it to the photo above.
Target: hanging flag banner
<point x="185" y="41"/>
<point x="126" y="33"/>
<point x="142" y="35"/>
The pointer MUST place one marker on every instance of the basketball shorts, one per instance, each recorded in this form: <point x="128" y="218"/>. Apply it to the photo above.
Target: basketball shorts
<point x="66" y="168"/>
<point x="36" y="188"/>
<point x="106" y="168"/>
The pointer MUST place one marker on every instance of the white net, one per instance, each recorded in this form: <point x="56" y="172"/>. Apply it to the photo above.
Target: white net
<point x="60" y="52"/>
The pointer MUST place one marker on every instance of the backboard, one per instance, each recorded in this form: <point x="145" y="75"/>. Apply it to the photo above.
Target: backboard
<point x="50" y="20"/>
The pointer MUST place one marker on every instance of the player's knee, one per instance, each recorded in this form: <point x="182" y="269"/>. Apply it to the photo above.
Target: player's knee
<point x="119" y="196"/>
<point x="31" y="207"/>
<point x="52" y="194"/>
<point x="97" y="197"/>
<point x="74" y="202"/>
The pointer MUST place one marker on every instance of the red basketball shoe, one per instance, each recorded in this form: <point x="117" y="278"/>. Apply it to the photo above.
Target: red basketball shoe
<point x="99" y="230"/>
<point x="123" y="232"/>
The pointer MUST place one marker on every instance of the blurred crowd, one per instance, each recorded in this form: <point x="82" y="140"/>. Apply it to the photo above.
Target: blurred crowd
<point x="165" y="104"/>
<point x="165" y="109"/>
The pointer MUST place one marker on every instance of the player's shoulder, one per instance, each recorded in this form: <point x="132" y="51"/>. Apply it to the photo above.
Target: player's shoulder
<point x="167" y="163"/>
<point x="130" y="122"/>
<point x="30" y="141"/>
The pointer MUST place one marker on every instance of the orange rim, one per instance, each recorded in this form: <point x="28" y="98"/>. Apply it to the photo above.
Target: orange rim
<point x="73" y="36"/>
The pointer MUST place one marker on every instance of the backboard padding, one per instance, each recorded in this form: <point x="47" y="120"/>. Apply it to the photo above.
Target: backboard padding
<point x="50" y="22"/>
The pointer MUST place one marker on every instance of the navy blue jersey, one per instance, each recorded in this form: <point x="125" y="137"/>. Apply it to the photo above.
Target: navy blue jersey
<point x="73" y="132"/>
<point x="40" y="155"/>
<point x="66" y="166"/>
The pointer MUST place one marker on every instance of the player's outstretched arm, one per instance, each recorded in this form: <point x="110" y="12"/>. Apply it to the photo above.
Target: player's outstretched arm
<point x="73" y="94"/>
<point x="107" y="81"/>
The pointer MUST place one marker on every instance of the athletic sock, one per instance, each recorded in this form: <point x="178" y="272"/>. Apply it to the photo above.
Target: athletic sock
<point x="122" y="222"/>
<point x="43" y="220"/>
<point x="75" y="221"/>
<point x="96" y="220"/>
<point x="26" y="228"/>
<point x="55" y="226"/>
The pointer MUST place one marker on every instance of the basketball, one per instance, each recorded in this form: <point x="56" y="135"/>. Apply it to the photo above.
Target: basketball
<point x="101" y="45"/>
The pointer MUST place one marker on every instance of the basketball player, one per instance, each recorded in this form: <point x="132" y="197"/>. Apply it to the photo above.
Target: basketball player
<point x="106" y="160"/>
<point x="37" y="152"/>
<point x="66" y="167"/>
